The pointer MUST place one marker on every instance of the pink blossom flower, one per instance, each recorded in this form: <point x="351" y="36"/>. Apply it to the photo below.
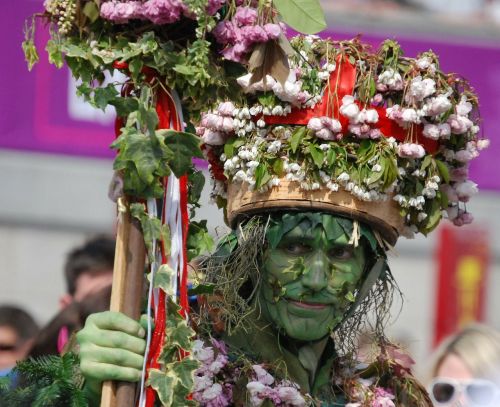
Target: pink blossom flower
<point x="325" y="134"/>
<point x="214" y="5"/>
<point x="463" y="218"/>
<point x="163" y="11"/>
<point x="464" y="156"/>
<point x="254" y="33"/>
<point x="383" y="398"/>
<point x="450" y="192"/>
<point x="273" y="30"/>
<point x="119" y="12"/>
<point x="315" y="124"/>
<point x="291" y="396"/>
<point x="465" y="190"/>
<point x="459" y="174"/>
<point x="226" y="32"/>
<point x="245" y="16"/>
<point x="459" y="124"/>
<point x="431" y="131"/>
<point x="214" y="396"/>
<point x="349" y="109"/>
<point x="389" y="80"/>
<point x="410" y="150"/>
<point x="410" y="115"/>
<point x="375" y="134"/>
<point x="331" y="124"/>
<point x="481" y="144"/>
<point x="438" y="105"/>
<point x="226" y="108"/>
<point x="420" y="89"/>
<point x="262" y="375"/>
<point x="213" y="138"/>
<point x="377" y="99"/>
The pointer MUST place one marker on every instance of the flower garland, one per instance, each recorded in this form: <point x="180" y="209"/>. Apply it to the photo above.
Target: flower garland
<point x="386" y="127"/>
<point x="223" y="378"/>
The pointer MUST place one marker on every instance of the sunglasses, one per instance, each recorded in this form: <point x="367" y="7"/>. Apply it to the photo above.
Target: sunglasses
<point x="477" y="392"/>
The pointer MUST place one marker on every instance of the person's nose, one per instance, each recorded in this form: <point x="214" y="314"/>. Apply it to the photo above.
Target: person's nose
<point x="315" y="274"/>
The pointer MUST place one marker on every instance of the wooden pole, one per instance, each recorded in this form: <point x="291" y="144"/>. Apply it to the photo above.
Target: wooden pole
<point x="126" y="293"/>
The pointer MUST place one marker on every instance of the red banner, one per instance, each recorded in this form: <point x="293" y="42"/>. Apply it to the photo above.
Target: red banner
<point x="463" y="257"/>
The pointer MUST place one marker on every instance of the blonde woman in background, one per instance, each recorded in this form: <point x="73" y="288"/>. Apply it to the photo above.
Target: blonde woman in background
<point x="466" y="369"/>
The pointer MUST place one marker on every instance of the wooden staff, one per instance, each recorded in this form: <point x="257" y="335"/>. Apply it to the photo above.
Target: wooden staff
<point x="128" y="276"/>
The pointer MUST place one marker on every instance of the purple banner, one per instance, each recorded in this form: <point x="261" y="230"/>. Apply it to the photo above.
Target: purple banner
<point x="39" y="112"/>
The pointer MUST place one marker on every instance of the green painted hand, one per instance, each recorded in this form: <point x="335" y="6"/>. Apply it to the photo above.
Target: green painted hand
<point x="112" y="347"/>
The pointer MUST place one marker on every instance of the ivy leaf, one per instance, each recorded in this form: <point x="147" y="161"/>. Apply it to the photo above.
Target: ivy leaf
<point x="102" y="96"/>
<point x="30" y="53"/>
<point x="181" y="335"/>
<point x="124" y="105"/>
<point x="199" y="240"/>
<point x="184" y="147"/>
<point x="164" y="279"/>
<point x="196" y="183"/>
<point x="55" y="55"/>
<point x="305" y="16"/>
<point x="164" y="384"/>
<point x="297" y="137"/>
<point x="135" y="66"/>
<point x="332" y="228"/>
<point x="151" y="227"/>
<point x="331" y="155"/>
<point x="184" y="370"/>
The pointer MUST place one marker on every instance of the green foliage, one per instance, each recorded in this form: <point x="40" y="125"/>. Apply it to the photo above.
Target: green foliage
<point x="46" y="381"/>
<point x="174" y="381"/>
<point x="152" y="228"/>
<point x="199" y="240"/>
<point x="305" y="16"/>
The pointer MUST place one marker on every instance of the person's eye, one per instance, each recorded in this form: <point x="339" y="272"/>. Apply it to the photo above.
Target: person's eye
<point x="341" y="252"/>
<point x="297" y="248"/>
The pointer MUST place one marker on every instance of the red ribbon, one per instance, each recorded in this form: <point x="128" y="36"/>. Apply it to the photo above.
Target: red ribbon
<point x="341" y="84"/>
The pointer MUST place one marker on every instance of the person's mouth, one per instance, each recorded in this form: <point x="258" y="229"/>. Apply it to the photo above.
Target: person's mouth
<point x="308" y="304"/>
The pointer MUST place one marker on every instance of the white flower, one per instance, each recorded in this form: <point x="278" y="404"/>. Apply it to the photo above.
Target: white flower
<point x="205" y="355"/>
<point x="391" y="79"/>
<point x="464" y="107"/>
<point x="240" y="176"/>
<point x="481" y="144"/>
<point x="291" y="396"/>
<point x="420" y="89"/>
<point x="255" y="110"/>
<point x="410" y="116"/>
<point x="315" y="124"/>
<point x="423" y="62"/>
<point x="274" y="147"/>
<point x="421" y="216"/>
<point x="202" y="382"/>
<point x="277" y="111"/>
<point x="371" y="116"/>
<point x="465" y="190"/>
<point x="438" y="105"/>
<point x="431" y="131"/>
<point x="212" y="392"/>
<point x="377" y="168"/>
<point x="459" y="124"/>
<point x="323" y="75"/>
<point x="332" y="186"/>
<point x="349" y="109"/>
<point x="343" y="178"/>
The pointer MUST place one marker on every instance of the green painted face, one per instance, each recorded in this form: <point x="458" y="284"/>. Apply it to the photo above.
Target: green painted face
<point x="308" y="280"/>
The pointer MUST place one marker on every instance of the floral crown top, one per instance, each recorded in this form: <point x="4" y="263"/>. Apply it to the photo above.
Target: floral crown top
<point x="380" y="126"/>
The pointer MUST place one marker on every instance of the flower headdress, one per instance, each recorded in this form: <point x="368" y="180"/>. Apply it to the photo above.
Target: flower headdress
<point x="375" y="136"/>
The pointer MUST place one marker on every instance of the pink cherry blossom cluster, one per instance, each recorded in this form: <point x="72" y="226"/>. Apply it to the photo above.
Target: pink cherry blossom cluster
<point x="263" y="386"/>
<point x="215" y="126"/>
<point x="208" y="390"/>
<point x="360" y="120"/>
<point x="242" y="32"/>
<point x="156" y="11"/>
<point x="325" y="128"/>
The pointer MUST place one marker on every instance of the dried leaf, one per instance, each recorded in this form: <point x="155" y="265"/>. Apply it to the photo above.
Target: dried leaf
<point x="269" y="59"/>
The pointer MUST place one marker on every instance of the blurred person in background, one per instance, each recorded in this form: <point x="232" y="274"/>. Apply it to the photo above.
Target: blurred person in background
<point x="88" y="273"/>
<point x="466" y="369"/>
<point x="88" y="269"/>
<point x="17" y="331"/>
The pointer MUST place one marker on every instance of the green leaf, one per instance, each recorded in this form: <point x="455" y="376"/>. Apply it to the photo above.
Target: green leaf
<point x="91" y="11"/>
<point x="443" y="170"/>
<point x="305" y="16"/>
<point x="229" y="147"/>
<point x="184" y="147"/>
<point x="164" y="384"/>
<point x="332" y="228"/>
<point x="181" y="335"/>
<point x="317" y="155"/>
<point x="426" y="162"/>
<point x="297" y="137"/>
<point x="331" y="155"/>
<point x="196" y="182"/>
<point x="262" y="176"/>
<point x="202" y="289"/>
<point x="279" y="167"/>
<point x="124" y="105"/>
<point x="55" y="55"/>
<point x="184" y="370"/>
<point x="135" y="67"/>
<point x="164" y="278"/>
<point x="199" y="240"/>
<point x="102" y="96"/>
<point x="30" y="53"/>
